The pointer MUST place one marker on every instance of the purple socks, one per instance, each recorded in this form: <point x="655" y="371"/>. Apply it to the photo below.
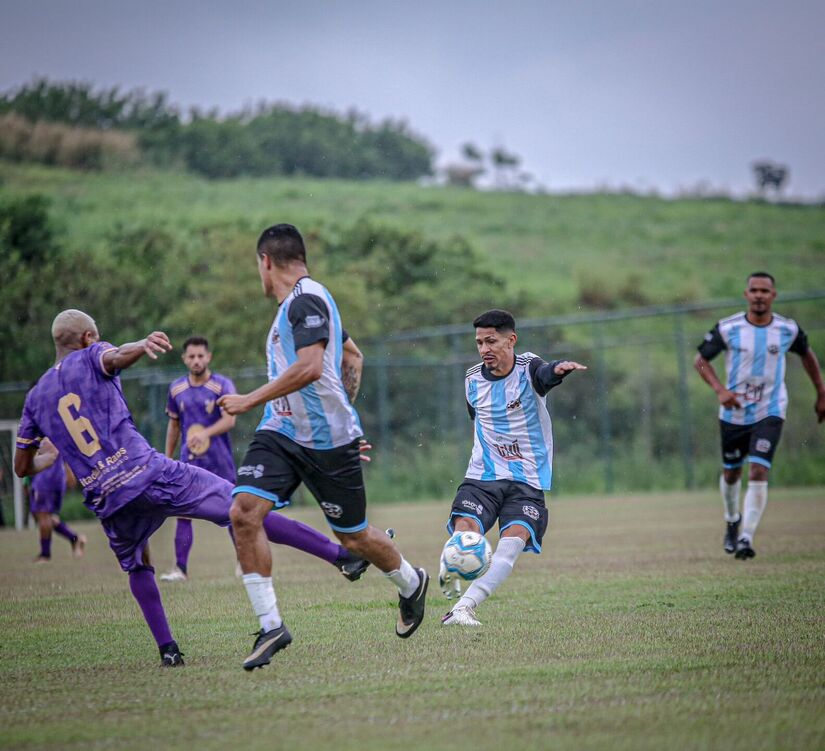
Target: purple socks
<point x="285" y="531"/>
<point x="145" y="590"/>
<point x="45" y="547"/>
<point x="183" y="543"/>
<point x="66" y="531"/>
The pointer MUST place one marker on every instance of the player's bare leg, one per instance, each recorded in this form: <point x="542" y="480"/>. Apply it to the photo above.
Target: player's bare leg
<point x="247" y="515"/>
<point x="756" y="498"/>
<point x="378" y="548"/>
<point x="45" y="525"/>
<point x="512" y="542"/>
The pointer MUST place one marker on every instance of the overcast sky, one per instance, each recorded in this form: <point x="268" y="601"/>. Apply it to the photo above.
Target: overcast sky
<point x="643" y="93"/>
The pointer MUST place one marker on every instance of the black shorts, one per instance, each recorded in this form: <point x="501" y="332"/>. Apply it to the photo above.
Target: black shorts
<point x="750" y="443"/>
<point x="509" y="502"/>
<point x="274" y="466"/>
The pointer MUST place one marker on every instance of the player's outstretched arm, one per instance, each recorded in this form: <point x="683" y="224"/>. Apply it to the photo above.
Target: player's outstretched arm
<point x="727" y="398"/>
<point x="127" y="355"/>
<point x="305" y="370"/>
<point x="811" y="365"/>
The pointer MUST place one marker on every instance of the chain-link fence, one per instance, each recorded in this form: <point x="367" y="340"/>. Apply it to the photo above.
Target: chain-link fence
<point x="640" y="418"/>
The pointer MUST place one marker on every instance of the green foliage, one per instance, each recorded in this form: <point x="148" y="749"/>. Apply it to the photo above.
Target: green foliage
<point x="274" y="139"/>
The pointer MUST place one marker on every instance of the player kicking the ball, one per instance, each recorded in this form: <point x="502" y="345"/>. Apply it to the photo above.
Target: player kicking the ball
<point x="753" y="401"/>
<point x="511" y="464"/>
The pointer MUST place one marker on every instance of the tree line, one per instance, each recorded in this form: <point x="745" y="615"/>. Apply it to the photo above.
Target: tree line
<point x="264" y="140"/>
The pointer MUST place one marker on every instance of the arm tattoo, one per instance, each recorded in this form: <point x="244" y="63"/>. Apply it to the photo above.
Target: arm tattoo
<point x="351" y="378"/>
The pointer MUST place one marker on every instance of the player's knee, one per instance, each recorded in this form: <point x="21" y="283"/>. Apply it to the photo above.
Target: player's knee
<point x="355" y="542"/>
<point x="465" y="524"/>
<point x="241" y="512"/>
<point x="758" y="473"/>
<point x="732" y="475"/>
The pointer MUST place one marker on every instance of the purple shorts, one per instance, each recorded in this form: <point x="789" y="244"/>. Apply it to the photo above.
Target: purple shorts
<point x="45" y="502"/>
<point x="180" y="490"/>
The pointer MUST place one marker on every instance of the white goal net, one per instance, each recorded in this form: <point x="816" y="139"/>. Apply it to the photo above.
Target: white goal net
<point x="11" y="487"/>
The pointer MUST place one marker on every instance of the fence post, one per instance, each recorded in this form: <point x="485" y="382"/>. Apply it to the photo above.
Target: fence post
<point x="604" y="409"/>
<point x="684" y="400"/>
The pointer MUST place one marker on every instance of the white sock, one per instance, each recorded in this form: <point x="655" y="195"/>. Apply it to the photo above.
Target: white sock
<point x="405" y="577"/>
<point x="507" y="550"/>
<point x="730" y="498"/>
<point x="262" y="596"/>
<point x="755" y="501"/>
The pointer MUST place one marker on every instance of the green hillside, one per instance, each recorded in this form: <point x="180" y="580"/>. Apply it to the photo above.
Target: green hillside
<point x="567" y="251"/>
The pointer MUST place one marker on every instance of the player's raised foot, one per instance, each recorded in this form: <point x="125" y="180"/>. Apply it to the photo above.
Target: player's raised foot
<point x="79" y="546"/>
<point x="174" y="575"/>
<point x="351" y="566"/>
<point x="266" y="645"/>
<point x="744" y="549"/>
<point x="171" y="656"/>
<point x="731" y="535"/>
<point x="411" y="609"/>
<point x="460" y="617"/>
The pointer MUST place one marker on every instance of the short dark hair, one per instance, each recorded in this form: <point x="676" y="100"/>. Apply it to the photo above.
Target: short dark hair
<point x="500" y="320"/>
<point x="283" y="244"/>
<point x="764" y="274"/>
<point x="195" y="341"/>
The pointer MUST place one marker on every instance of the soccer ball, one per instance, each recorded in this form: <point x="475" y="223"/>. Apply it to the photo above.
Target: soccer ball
<point x="467" y="554"/>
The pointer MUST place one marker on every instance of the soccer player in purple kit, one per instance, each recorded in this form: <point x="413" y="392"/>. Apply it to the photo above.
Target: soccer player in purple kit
<point x="46" y="493"/>
<point x="131" y="488"/>
<point x="203" y="431"/>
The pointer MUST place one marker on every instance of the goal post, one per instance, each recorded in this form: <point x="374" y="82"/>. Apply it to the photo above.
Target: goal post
<point x="9" y="428"/>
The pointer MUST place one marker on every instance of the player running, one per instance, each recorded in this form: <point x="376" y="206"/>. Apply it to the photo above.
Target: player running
<point x="309" y="433"/>
<point x="753" y="401"/>
<point x="512" y="461"/>
<point x="131" y="488"/>
<point x="46" y="491"/>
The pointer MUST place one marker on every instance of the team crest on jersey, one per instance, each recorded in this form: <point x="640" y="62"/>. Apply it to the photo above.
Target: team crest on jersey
<point x="515" y="404"/>
<point x="209" y="406"/>
<point x="531" y="511"/>
<point x="333" y="510"/>
<point x="763" y="445"/>
<point x="276" y="335"/>
<point x="773" y="349"/>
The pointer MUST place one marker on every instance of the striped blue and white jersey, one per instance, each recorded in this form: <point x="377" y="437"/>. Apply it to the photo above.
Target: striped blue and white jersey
<point x="318" y="416"/>
<point x="513" y="432"/>
<point x="755" y="364"/>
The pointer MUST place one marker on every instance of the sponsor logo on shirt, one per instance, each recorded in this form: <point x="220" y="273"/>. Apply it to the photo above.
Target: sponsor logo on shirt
<point x="763" y="445"/>
<point x="472" y="505"/>
<point x="531" y="511"/>
<point x="313" y="322"/>
<point x="510" y="452"/>
<point x="333" y="510"/>
<point x="255" y="471"/>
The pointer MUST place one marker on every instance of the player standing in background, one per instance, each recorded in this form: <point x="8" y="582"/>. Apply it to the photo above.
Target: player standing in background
<point x="191" y="405"/>
<point x="512" y="461"/>
<point x="753" y="402"/>
<point x="130" y="487"/>
<point x="46" y="490"/>
<point x="309" y="433"/>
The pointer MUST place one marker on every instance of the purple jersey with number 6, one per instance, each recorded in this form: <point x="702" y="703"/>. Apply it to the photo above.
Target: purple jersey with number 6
<point x="195" y="407"/>
<point x="81" y="408"/>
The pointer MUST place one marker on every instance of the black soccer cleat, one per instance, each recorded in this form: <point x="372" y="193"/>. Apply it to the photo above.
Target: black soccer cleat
<point x="352" y="567"/>
<point x="744" y="549"/>
<point x="411" y="609"/>
<point x="266" y="645"/>
<point x="171" y="656"/>
<point x="732" y="534"/>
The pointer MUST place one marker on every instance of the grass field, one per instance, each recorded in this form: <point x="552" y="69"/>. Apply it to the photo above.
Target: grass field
<point x="632" y="631"/>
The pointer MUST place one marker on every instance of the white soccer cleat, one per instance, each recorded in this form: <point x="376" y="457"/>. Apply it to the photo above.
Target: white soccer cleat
<point x="175" y="575"/>
<point x="450" y="583"/>
<point x="460" y="617"/>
